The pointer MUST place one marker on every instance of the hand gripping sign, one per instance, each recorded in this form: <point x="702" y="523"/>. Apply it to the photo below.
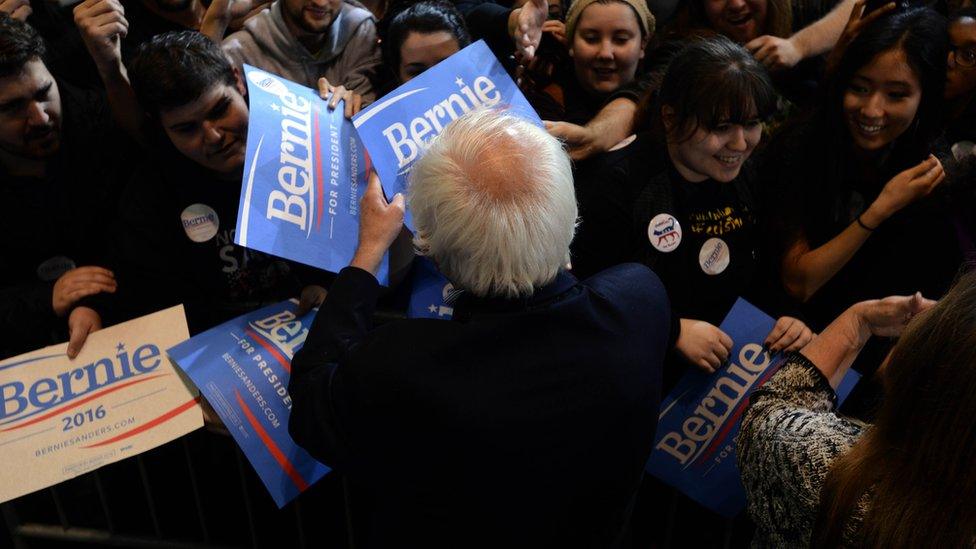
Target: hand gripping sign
<point x="399" y="127"/>
<point x="694" y="447"/>
<point x="304" y="175"/>
<point x="242" y="369"/>
<point x="119" y="397"/>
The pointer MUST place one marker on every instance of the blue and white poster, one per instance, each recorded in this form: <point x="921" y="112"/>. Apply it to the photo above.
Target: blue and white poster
<point x="304" y="175"/>
<point x="431" y="294"/>
<point x="694" y="448"/>
<point x="400" y="126"/>
<point x="242" y="368"/>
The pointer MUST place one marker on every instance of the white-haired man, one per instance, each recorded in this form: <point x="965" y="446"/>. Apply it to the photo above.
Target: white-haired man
<point x="527" y="419"/>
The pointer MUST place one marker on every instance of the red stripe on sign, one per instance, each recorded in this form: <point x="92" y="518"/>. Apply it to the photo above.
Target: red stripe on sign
<point x="733" y="420"/>
<point x="271" y="446"/>
<point x="319" y="181"/>
<point x="80" y="402"/>
<point x="146" y="426"/>
<point x="262" y="341"/>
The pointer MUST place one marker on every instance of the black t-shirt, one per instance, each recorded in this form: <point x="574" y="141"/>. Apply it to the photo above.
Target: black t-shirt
<point x="175" y="244"/>
<point x="816" y="196"/>
<point x="622" y="192"/>
<point x="60" y="221"/>
<point x="717" y="258"/>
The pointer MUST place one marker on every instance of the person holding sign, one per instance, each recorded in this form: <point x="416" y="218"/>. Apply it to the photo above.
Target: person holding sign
<point x="60" y="171"/>
<point x="818" y="479"/>
<point x="527" y="419"/>
<point x="174" y="239"/>
<point x="683" y="200"/>
<point x="307" y="40"/>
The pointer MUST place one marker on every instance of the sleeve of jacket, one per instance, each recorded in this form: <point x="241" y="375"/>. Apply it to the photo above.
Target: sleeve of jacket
<point x="342" y="322"/>
<point x="26" y="317"/>
<point x="361" y="61"/>
<point x="488" y="20"/>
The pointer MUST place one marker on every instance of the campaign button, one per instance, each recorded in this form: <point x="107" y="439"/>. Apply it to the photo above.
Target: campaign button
<point x="200" y="222"/>
<point x="664" y="232"/>
<point x="714" y="256"/>
<point x="52" y="269"/>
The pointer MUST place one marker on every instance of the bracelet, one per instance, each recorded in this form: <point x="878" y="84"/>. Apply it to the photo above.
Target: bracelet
<point x="863" y="226"/>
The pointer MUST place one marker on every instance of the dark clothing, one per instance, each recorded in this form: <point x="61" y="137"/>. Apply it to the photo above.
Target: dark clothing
<point x="522" y="422"/>
<point x="623" y="191"/>
<point x="488" y="20"/>
<point x="55" y="223"/>
<point x="564" y="100"/>
<point x="165" y="254"/>
<point x="66" y="57"/>
<point x="819" y="191"/>
<point x="143" y="25"/>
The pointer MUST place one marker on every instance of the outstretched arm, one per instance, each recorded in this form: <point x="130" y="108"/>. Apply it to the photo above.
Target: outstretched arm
<point x="103" y="25"/>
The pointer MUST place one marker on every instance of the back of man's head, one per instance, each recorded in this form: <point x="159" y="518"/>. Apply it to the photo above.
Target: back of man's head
<point x="19" y="43"/>
<point x="175" y="68"/>
<point x="493" y="203"/>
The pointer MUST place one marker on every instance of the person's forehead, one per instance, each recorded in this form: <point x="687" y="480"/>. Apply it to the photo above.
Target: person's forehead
<point x="889" y="67"/>
<point x="615" y="14"/>
<point x="963" y="31"/>
<point x="198" y="108"/>
<point x="26" y="83"/>
<point x="420" y="44"/>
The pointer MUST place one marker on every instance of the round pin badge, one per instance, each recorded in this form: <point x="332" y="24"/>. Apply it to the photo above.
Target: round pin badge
<point x="200" y="222"/>
<point x="52" y="269"/>
<point x="664" y="232"/>
<point x="714" y="256"/>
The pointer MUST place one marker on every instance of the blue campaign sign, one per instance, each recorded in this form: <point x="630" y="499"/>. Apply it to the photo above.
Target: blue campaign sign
<point x="242" y="368"/>
<point x="399" y="127"/>
<point x="431" y="295"/>
<point x="304" y="174"/>
<point x="706" y="470"/>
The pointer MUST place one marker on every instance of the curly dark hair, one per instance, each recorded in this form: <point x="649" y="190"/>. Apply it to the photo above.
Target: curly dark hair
<point x="19" y="43"/>
<point x="174" y="68"/>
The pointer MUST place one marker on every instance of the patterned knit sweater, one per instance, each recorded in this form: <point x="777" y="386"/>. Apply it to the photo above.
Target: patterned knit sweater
<point x="789" y="437"/>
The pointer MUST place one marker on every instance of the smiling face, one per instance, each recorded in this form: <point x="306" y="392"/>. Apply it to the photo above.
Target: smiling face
<point x="30" y="113"/>
<point x="881" y="100"/>
<point x="211" y="130"/>
<point x="717" y="153"/>
<point x="739" y="20"/>
<point x="310" y="16"/>
<point x="960" y="79"/>
<point x="606" y="47"/>
<point x="421" y="51"/>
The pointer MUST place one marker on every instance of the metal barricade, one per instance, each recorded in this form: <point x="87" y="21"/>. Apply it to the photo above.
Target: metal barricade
<point x="194" y="492"/>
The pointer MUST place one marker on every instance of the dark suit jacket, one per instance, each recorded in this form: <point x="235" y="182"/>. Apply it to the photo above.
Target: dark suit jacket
<point x="520" y="423"/>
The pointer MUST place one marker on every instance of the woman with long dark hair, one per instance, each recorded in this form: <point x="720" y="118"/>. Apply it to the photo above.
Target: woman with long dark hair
<point x="815" y="478"/>
<point x="857" y="211"/>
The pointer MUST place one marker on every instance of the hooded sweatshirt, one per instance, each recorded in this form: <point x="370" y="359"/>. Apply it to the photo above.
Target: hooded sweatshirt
<point x="349" y="57"/>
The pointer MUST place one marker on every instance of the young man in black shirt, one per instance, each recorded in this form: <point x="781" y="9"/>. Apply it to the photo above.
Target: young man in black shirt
<point x="59" y="169"/>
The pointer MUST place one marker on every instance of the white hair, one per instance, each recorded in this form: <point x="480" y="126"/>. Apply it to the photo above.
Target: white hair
<point x="493" y="204"/>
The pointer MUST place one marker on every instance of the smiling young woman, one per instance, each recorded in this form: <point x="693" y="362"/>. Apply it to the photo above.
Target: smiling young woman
<point x="605" y="41"/>
<point x="860" y="214"/>
<point x="682" y="199"/>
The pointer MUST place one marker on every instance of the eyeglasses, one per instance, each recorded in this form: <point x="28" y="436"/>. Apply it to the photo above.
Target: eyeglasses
<point x="965" y="57"/>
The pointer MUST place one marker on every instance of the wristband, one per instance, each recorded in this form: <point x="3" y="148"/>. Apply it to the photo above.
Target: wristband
<point x="863" y="226"/>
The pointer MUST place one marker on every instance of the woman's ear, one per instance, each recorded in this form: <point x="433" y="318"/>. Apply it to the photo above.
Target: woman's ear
<point x="240" y="82"/>
<point x="667" y="118"/>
